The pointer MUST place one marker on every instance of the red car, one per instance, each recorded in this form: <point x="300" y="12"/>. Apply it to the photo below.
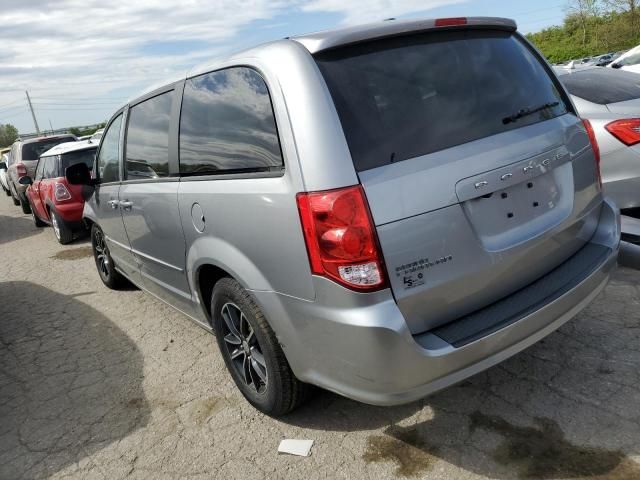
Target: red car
<point x="53" y="200"/>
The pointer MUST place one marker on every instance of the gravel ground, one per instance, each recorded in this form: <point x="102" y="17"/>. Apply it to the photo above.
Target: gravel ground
<point x="102" y="384"/>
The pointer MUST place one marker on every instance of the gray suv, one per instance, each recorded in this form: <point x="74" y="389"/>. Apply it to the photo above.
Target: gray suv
<point x="381" y="211"/>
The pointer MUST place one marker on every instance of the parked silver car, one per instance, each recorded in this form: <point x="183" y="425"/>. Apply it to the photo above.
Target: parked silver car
<point x="381" y="211"/>
<point x="610" y="100"/>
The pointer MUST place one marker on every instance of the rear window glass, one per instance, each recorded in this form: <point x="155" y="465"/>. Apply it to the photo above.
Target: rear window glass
<point x="603" y="85"/>
<point x="148" y="138"/>
<point x="32" y="151"/>
<point x="409" y="96"/>
<point x="80" y="156"/>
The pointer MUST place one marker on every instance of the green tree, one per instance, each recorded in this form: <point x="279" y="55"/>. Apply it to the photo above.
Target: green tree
<point x="8" y="135"/>
<point x="591" y="27"/>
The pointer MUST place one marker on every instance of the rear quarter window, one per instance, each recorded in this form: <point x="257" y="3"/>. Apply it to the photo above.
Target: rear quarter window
<point x="409" y="96"/>
<point x="603" y="85"/>
<point x="227" y="124"/>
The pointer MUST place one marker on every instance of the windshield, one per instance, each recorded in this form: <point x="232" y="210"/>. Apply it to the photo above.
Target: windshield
<point x="33" y="150"/>
<point x="408" y="96"/>
<point x="80" y="156"/>
<point x="603" y="85"/>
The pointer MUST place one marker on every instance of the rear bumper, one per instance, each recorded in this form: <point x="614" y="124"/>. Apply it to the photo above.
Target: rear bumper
<point x="358" y="345"/>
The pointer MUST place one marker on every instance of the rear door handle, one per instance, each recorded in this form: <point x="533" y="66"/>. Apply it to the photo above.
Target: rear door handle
<point x="126" y="205"/>
<point x="113" y="204"/>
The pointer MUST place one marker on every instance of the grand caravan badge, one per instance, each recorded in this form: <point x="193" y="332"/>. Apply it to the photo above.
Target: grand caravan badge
<point x="413" y="274"/>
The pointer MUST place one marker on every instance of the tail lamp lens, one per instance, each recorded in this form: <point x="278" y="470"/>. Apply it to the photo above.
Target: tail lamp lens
<point x="450" y="22"/>
<point x="61" y="193"/>
<point x="596" y="149"/>
<point x="21" y="170"/>
<point x="627" y="130"/>
<point x="341" y="238"/>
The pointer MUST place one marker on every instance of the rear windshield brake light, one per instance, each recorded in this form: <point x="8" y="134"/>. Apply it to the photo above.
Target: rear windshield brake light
<point x="450" y="22"/>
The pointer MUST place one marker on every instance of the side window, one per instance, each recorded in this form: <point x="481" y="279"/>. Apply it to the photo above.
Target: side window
<point x="109" y="157"/>
<point x="147" y="146"/>
<point x="227" y="124"/>
<point x="49" y="169"/>
<point x="39" y="169"/>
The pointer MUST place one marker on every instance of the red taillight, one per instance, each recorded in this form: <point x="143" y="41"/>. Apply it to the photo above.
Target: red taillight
<point x="61" y="193"/>
<point x="450" y="22"/>
<point x="627" y="130"/>
<point x="21" y="170"/>
<point x="341" y="239"/>
<point x="596" y="149"/>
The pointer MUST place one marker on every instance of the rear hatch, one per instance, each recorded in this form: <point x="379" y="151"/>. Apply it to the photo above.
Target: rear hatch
<point x="31" y="151"/>
<point x="86" y="156"/>
<point x="479" y="175"/>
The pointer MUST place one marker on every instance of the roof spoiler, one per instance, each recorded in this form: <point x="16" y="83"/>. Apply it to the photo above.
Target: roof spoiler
<point x="320" y="41"/>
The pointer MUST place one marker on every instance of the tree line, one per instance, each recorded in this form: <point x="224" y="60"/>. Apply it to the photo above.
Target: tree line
<point x="591" y="27"/>
<point x="8" y="135"/>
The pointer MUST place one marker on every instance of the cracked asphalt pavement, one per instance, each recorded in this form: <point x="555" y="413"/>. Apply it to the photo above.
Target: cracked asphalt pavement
<point x="102" y="384"/>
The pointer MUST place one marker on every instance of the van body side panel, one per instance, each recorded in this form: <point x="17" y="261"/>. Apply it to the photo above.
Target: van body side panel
<point x="249" y="228"/>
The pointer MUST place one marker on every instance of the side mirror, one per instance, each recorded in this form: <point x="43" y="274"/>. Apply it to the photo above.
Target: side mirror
<point x="26" y="180"/>
<point x="78" y="174"/>
<point x="615" y="65"/>
<point x="3" y="165"/>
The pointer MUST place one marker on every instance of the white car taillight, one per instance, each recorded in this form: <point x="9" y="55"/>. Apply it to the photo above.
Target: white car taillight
<point x="61" y="193"/>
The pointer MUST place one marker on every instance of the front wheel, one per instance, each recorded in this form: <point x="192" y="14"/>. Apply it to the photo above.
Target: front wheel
<point x="106" y="268"/>
<point x="252" y="353"/>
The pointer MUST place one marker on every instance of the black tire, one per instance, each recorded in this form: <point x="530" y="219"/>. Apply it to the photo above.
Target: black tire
<point x="36" y="220"/>
<point x="16" y="202"/>
<point x="108" y="274"/>
<point x="61" y="230"/>
<point x="6" y="191"/>
<point x="270" y="386"/>
<point x="24" y="204"/>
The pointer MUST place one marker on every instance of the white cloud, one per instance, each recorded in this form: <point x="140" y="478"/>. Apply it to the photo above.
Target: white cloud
<point x="374" y="10"/>
<point x="61" y="50"/>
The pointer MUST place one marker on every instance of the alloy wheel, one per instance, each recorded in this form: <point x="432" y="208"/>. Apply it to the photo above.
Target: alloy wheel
<point x="243" y="348"/>
<point x="102" y="253"/>
<point x="54" y="223"/>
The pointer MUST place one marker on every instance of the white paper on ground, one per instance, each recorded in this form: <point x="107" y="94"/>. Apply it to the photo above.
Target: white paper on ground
<point x="296" y="447"/>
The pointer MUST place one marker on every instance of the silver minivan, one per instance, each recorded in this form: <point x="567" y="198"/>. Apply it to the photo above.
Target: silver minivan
<point x="381" y="211"/>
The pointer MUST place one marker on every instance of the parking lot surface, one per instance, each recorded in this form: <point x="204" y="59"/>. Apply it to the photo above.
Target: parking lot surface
<point x="103" y="384"/>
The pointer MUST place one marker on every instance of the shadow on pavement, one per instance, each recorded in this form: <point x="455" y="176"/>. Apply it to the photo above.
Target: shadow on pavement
<point x="70" y="381"/>
<point x="568" y="407"/>
<point x="16" y="228"/>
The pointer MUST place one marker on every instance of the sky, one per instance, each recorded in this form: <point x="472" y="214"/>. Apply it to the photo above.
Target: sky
<point x="81" y="60"/>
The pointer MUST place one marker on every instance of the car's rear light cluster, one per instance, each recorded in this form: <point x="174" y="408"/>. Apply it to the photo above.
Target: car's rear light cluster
<point x="21" y="170"/>
<point x="596" y="149"/>
<point x="341" y="238"/>
<point x="61" y="193"/>
<point x="626" y="130"/>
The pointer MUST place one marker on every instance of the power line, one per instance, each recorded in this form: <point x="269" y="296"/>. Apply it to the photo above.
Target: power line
<point x="24" y="110"/>
<point x="10" y="103"/>
<point x="63" y="104"/>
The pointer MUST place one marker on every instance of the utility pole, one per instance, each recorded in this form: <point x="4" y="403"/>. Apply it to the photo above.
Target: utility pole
<point x="32" y="113"/>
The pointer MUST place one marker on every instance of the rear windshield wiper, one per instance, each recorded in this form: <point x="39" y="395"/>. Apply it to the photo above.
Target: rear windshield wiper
<point x="528" y="111"/>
